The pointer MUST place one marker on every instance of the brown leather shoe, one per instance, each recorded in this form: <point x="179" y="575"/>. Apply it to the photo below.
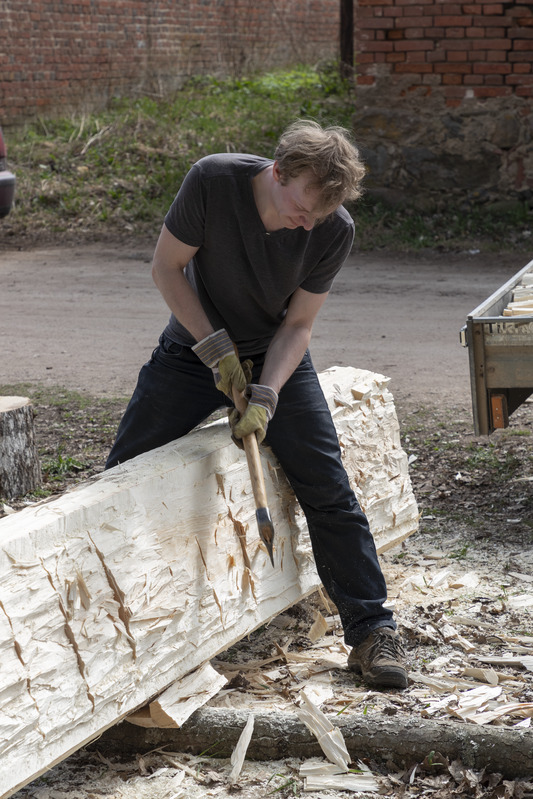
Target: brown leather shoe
<point x="380" y="659"/>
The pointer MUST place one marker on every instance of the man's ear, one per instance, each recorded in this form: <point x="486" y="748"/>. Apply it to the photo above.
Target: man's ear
<point x="276" y="172"/>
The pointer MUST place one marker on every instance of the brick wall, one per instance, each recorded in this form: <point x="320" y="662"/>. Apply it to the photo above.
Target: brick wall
<point x="63" y="55"/>
<point x="480" y="49"/>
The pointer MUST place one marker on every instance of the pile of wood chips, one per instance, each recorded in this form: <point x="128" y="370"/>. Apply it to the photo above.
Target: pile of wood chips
<point x="521" y="303"/>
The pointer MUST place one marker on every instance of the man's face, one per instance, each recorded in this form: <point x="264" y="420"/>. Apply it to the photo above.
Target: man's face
<point x="297" y="202"/>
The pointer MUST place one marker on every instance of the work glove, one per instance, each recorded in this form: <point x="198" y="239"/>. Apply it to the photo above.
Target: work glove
<point x="217" y="351"/>
<point x="262" y="402"/>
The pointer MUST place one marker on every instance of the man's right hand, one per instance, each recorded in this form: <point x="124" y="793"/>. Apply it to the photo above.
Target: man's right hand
<point x="218" y="352"/>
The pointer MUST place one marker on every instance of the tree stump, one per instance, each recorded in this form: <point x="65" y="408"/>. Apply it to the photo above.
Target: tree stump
<point x="20" y="470"/>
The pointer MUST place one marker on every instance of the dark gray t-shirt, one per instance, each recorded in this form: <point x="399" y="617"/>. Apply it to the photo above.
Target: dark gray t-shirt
<point x="243" y="275"/>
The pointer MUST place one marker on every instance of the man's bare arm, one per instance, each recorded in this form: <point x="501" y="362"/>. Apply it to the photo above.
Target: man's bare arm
<point x="288" y="346"/>
<point x="170" y="259"/>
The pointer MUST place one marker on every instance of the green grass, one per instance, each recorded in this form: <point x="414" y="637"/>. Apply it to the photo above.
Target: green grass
<point x="123" y="167"/>
<point x="116" y="172"/>
<point x="491" y="458"/>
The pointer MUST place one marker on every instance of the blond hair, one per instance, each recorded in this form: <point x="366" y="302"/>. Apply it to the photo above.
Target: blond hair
<point x="328" y="153"/>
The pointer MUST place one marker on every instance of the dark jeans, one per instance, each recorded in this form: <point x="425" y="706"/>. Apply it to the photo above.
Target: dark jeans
<point x="175" y="392"/>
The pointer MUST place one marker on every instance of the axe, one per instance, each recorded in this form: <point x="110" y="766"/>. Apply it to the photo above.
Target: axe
<point x="251" y="448"/>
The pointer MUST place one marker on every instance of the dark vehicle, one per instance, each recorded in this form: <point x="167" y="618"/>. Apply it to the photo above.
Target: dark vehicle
<point x="7" y="181"/>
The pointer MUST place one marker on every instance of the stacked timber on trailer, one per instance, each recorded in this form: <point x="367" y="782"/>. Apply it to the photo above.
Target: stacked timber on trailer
<point x="120" y="588"/>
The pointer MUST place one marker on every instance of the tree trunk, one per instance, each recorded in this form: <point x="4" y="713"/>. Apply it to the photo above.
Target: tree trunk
<point x="20" y="471"/>
<point x="124" y="585"/>
<point x="276" y="735"/>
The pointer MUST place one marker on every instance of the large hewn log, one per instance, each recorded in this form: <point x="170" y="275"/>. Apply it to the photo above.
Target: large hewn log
<point x="405" y="741"/>
<point x="20" y="471"/>
<point x="119" y="588"/>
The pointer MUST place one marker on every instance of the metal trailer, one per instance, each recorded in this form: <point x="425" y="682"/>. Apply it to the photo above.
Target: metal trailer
<point x="500" y="351"/>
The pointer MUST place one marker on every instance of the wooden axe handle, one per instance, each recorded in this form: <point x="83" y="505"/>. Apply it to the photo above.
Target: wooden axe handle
<point x="251" y="448"/>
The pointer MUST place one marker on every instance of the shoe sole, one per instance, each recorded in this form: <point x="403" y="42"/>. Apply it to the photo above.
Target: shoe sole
<point x="388" y="679"/>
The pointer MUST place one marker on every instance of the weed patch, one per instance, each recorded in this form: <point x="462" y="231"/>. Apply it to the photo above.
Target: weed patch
<point x="114" y="174"/>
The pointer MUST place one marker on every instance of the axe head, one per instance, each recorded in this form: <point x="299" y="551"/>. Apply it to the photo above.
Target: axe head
<point x="266" y="530"/>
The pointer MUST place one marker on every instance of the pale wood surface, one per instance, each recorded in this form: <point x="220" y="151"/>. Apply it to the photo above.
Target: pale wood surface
<point x="121" y="587"/>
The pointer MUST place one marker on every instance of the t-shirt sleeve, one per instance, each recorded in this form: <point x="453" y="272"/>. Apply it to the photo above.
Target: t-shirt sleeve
<point x="186" y="216"/>
<point x="339" y="246"/>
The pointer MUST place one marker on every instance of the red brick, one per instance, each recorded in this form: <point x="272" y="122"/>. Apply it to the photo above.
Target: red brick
<point x="492" y="91"/>
<point x="365" y="58"/>
<point x="416" y="58"/>
<point x="522" y="69"/>
<point x="521" y="33"/>
<point x="414" y="11"/>
<point x="448" y="9"/>
<point x="414" y="22"/>
<point x="495" y="56"/>
<point x="457" y="92"/>
<point x="524" y="91"/>
<point x="455" y="56"/>
<point x="449" y="45"/>
<point x="459" y="21"/>
<point x="394" y="58"/>
<point x="420" y="68"/>
<point x="518" y="57"/>
<point x="378" y="22"/>
<point x="492" y="44"/>
<point x="395" y="35"/>
<point x="493" y="8"/>
<point x="393" y="11"/>
<point x="519" y="80"/>
<point x="381" y="47"/>
<point x="413" y="45"/>
<point x="472" y="80"/>
<point x="492" y="69"/>
<point x="452" y="80"/>
<point x="447" y="68"/>
<point x="365" y="80"/>
<point x="472" y="9"/>
<point x="455" y="33"/>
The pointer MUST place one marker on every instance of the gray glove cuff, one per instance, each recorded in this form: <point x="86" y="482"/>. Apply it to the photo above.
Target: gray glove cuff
<point x="214" y="347"/>
<point x="264" y="396"/>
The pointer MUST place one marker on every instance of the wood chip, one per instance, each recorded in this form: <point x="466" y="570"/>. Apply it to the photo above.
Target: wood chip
<point x="482" y="675"/>
<point x="319" y="629"/>
<point x="239" y="753"/>
<point x="318" y="775"/>
<point x="175" y="705"/>
<point x="329" y="737"/>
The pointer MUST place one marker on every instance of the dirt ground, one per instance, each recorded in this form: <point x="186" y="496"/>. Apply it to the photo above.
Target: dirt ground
<point x="87" y="317"/>
<point x="83" y="319"/>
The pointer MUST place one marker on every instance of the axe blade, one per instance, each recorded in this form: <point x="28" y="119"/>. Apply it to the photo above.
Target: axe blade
<point x="266" y="530"/>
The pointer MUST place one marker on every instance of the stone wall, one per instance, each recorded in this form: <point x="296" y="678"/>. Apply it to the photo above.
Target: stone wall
<point x="444" y="104"/>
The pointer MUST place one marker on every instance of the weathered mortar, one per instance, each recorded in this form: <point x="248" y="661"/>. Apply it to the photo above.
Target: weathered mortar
<point x="417" y="148"/>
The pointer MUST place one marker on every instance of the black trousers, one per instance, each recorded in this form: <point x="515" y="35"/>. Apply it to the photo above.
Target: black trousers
<point x="175" y="392"/>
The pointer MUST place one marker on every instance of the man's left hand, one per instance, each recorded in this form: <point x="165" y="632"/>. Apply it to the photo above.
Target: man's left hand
<point x="262" y="402"/>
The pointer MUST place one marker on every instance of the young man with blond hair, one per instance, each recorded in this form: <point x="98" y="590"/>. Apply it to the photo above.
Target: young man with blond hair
<point x="246" y="257"/>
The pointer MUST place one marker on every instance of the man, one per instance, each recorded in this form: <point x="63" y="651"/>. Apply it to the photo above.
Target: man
<point x="246" y="256"/>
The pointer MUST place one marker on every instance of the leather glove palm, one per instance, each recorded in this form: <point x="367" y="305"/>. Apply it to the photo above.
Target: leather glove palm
<point x="262" y="402"/>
